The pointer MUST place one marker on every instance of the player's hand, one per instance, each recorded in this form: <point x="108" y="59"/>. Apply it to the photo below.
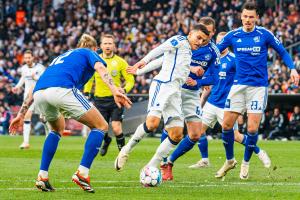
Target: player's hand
<point x="15" y="124"/>
<point x="295" y="77"/>
<point x="131" y="70"/>
<point x="191" y="82"/>
<point x="122" y="100"/>
<point x="140" y="64"/>
<point x="199" y="71"/>
<point x="207" y="88"/>
<point x="15" y="90"/>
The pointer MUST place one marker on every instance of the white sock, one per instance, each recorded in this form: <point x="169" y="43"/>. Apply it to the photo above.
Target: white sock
<point x="246" y="163"/>
<point x="162" y="151"/>
<point x="83" y="171"/>
<point x="43" y="174"/>
<point x="136" y="138"/>
<point x="26" y="132"/>
<point x="205" y="159"/>
<point x="47" y="128"/>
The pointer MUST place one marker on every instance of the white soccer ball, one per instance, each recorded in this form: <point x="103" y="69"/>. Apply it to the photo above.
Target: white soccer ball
<point x="150" y="177"/>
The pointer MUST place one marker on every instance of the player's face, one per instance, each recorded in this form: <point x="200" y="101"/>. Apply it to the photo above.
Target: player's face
<point x="28" y="59"/>
<point x="107" y="45"/>
<point x="197" y="39"/>
<point x="211" y="30"/>
<point x="249" y="18"/>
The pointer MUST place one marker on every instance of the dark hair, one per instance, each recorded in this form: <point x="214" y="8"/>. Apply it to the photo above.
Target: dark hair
<point x="208" y="21"/>
<point x="200" y="27"/>
<point x="250" y="6"/>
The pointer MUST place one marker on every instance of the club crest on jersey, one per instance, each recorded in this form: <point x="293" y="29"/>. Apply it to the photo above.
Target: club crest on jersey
<point x="207" y="57"/>
<point x="256" y="39"/>
<point x="174" y="42"/>
<point x="224" y="65"/>
<point x="114" y="72"/>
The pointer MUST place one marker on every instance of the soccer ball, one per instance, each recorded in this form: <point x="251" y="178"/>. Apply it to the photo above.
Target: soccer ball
<point x="150" y="177"/>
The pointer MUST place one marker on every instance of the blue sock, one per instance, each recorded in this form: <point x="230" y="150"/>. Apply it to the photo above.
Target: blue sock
<point x="250" y="146"/>
<point x="184" y="146"/>
<point x="228" y="142"/>
<point x="256" y="148"/>
<point x="203" y="146"/>
<point x="164" y="135"/>
<point x="91" y="148"/>
<point x="49" y="149"/>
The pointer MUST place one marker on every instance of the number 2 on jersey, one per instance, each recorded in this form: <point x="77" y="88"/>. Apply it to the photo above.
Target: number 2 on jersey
<point x="59" y="59"/>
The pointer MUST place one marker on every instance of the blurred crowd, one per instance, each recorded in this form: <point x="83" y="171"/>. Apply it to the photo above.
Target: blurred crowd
<point x="49" y="28"/>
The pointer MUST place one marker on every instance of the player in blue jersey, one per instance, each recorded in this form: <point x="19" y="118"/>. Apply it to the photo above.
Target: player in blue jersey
<point x="249" y="92"/>
<point x="213" y="110"/>
<point x="56" y="95"/>
<point x="207" y="57"/>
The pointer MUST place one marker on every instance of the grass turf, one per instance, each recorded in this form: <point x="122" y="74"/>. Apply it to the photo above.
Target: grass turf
<point x="19" y="169"/>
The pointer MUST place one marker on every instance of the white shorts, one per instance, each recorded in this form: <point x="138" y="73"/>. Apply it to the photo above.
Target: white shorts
<point x="53" y="101"/>
<point x="191" y="105"/>
<point x="165" y="101"/>
<point x="212" y="114"/>
<point x="244" y="97"/>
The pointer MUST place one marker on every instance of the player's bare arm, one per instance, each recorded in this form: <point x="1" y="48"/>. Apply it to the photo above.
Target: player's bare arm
<point x="18" y="121"/>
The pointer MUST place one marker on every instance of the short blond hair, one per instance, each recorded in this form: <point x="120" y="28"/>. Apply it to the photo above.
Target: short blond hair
<point x="86" y="41"/>
<point x="111" y="36"/>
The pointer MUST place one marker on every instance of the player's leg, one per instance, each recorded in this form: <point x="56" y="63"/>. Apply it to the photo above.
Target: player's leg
<point x="158" y="93"/>
<point x="203" y="148"/>
<point x="151" y="124"/>
<point x="57" y="124"/>
<point x="105" y="109"/>
<point x="235" y="104"/>
<point x="173" y="116"/>
<point x="262" y="154"/>
<point x="117" y="118"/>
<point x="256" y="98"/>
<point x="26" y="130"/>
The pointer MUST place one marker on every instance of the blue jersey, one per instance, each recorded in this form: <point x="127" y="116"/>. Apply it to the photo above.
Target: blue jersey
<point x="71" y="69"/>
<point x="207" y="57"/>
<point x="251" y="51"/>
<point x="220" y="91"/>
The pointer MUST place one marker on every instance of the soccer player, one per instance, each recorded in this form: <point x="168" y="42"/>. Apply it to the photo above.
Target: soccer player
<point x="249" y="91"/>
<point x="213" y="109"/>
<point x="208" y="58"/>
<point x="31" y="72"/>
<point x="103" y="97"/>
<point x="165" y="92"/>
<point x="57" y="94"/>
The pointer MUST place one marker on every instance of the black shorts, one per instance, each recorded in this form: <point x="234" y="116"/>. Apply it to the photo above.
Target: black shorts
<point x="109" y="109"/>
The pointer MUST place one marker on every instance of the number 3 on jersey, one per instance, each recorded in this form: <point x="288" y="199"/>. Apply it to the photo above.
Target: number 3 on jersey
<point x="59" y="59"/>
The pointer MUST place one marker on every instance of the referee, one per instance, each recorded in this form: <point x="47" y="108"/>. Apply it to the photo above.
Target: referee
<point x="103" y="97"/>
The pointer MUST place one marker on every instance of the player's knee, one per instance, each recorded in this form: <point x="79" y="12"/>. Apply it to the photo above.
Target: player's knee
<point x="194" y="136"/>
<point x="227" y="125"/>
<point x="116" y="128"/>
<point x="176" y="136"/>
<point x="152" y="124"/>
<point x="101" y="126"/>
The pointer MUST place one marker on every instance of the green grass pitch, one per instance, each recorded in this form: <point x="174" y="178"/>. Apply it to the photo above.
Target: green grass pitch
<point x="19" y="168"/>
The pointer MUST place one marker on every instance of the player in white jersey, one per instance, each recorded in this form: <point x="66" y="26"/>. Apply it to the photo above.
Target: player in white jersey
<point x="165" y="93"/>
<point x="30" y="73"/>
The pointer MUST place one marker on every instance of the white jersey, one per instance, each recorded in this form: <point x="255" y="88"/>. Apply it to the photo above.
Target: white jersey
<point x="29" y="76"/>
<point x="176" y="59"/>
